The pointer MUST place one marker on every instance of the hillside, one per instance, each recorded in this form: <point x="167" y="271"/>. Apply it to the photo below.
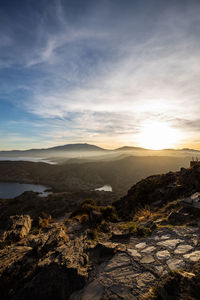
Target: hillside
<point x="87" y="245"/>
<point x="119" y="173"/>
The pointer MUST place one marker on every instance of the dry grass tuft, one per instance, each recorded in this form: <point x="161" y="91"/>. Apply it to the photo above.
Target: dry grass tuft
<point x="143" y="214"/>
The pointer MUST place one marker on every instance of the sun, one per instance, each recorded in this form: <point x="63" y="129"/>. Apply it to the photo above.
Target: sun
<point x="158" y="136"/>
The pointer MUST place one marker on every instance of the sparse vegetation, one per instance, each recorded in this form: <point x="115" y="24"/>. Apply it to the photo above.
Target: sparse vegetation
<point x="44" y="220"/>
<point x="143" y="214"/>
<point x="90" y="212"/>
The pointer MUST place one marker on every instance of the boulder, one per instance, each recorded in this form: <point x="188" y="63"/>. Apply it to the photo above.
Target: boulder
<point x="20" y="226"/>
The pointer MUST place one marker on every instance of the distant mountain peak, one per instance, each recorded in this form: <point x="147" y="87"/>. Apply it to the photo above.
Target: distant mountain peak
<point x="129" y="148"/>
<point x="77" y="147"/>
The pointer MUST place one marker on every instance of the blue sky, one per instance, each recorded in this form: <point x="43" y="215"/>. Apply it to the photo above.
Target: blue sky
<point x="97" y="71"/>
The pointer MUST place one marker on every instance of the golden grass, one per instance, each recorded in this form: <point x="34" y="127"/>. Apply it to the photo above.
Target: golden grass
<point x="143" y="214"/>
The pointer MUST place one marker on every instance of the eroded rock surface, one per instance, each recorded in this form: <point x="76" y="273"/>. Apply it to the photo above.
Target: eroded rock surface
<point x="93" y="255"/>
<point x="131" y="273"/>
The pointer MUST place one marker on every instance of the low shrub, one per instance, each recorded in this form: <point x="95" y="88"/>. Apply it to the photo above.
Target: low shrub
<point x="109" y="213"/>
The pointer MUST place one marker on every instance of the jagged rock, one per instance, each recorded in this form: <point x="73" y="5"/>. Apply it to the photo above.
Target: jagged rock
<point x="20" y="225"/>
<point x="57" y="263"/>
<point x="55" y="237"/>
<point x="52" y="268"/>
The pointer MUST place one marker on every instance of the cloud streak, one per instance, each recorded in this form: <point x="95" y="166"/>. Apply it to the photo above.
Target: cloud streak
<point x="109" y="71"/>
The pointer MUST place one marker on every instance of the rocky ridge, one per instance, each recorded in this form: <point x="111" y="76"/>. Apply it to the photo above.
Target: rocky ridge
<point x="94" y="252"/>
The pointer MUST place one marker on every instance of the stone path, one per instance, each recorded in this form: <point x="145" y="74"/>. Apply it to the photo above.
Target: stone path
<point x="169" y="248"/>
<point x="131" y="273"/>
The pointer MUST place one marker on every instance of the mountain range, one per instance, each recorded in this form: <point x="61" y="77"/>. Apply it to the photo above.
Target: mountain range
<point x="84" y="147"/>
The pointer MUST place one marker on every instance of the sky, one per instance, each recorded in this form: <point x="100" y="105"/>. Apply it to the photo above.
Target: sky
<point x="99" y="71"/>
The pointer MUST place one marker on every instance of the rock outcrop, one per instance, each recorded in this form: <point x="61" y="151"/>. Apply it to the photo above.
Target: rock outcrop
<point x="89" y="252"/>
<point x="159" y="188"/>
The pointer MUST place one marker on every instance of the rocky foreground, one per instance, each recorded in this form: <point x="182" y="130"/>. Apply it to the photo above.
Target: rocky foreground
<point x="143" y="246"/>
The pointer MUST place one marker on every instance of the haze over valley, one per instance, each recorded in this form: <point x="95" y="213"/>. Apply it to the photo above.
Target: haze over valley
<point x="78" y="167"/>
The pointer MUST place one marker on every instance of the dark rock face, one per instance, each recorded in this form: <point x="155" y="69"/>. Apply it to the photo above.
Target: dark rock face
<point x="20" y="226"/>
<point x="164" y="188"/>
<point x="16" y="228"/>
<point x="43" y="265"/>
<point x="180" y="285"/>
<point x="177" y="218"/>
<point x="52" y="282"/>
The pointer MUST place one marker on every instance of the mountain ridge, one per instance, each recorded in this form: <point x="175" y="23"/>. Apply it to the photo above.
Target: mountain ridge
<point x="89" y="147"/>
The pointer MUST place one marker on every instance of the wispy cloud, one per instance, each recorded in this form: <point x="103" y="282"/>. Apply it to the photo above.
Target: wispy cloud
<point x="103" y="74"/>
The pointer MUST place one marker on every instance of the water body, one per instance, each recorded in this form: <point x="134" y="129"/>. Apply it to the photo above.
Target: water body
<point x="105" y="188"/>
<point x="24" y="158"/>
<point x="13" y="189"/>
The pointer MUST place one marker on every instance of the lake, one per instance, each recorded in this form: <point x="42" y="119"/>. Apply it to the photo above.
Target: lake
<point x="13" y="189"/>
<point x="105" y="188"/>
<point x="28" y="158"/>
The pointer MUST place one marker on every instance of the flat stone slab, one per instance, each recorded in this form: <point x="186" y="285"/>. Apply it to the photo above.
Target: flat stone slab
<point x="140" y="246"/>
<point x="194" y="256"/>
<point x="134" y="253"/>
<point x="147" y="259"/>
<point x="181" y="249"/>
<point x="175" y="264"/>
<point x="169" y="243"/>
<point x="163" y="254"/>
<point x="149" y="249"/>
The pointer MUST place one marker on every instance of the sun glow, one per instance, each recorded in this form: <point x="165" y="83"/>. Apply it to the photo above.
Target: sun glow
<point x="157" y="136"/>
